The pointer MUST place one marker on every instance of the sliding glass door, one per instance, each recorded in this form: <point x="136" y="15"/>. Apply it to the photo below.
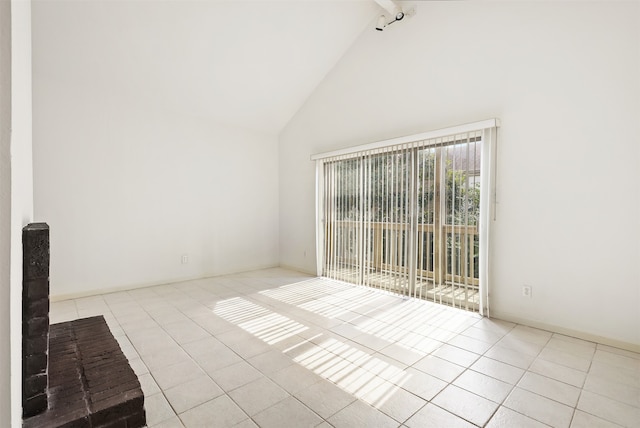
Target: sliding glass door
<point x="406" y="218"/>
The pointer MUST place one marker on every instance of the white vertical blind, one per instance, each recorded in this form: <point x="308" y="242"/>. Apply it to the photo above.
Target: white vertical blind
<point x="408" y="217"/>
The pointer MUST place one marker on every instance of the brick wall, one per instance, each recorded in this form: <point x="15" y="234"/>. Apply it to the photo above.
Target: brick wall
<point x="35" y="317"/>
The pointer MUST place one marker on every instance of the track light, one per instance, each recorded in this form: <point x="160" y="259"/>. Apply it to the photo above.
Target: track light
<point x="382" y="21"/>
<point x="394" y="10"/>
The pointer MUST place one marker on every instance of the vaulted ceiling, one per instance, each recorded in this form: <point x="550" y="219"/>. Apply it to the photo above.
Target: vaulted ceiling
<point x="244" y="63"/>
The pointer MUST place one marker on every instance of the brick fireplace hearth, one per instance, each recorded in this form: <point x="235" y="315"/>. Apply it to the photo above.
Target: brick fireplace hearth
<point x="74" y="374"/>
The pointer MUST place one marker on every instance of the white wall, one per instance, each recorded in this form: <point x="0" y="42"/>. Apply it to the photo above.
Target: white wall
<point x="565" y="80"/>
<point x="128" y="188"/>
<point x="127" y="191"/>
<point x="5" y="211"/>
<point x="16" y="199"/>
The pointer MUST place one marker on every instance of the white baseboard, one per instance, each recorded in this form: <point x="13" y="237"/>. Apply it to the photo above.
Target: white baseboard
<point x="134" y="286"/>
<point x="629" y="346"/>
<point x="297" y="269"/>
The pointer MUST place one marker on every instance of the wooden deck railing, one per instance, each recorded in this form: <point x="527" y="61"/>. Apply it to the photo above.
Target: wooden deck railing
<point x="443" y="255"/>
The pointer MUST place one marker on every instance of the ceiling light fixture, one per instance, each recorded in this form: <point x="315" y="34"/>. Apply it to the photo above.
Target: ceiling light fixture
<point x="382" y="21"/>
<point x="394" y="10"/>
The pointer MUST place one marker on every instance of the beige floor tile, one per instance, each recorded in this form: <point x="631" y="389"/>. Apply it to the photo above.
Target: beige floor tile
<point x="623" y="361"/>
<point x="186" y="331"/>
<point x="177" y="374"/>
<point x="219" y="412"/>
<point x="60" y="316"/>
<point x="456" y="355"/>
<point x="613" y="350"/>
<point x="212" y="323"/>
<point x="383" y="366"/>
<point x="432" y="416"/>
<point x="359" y="414"/>
<point x="173" y="422"/>
<point x="258" y="395"/>
<point x="567" y="359"/>
<point x="521" y="346"/>
<point x="470" y="344"/>
<point x="530" y="334"/>
<point x="243" y="344"/>
<point x="247" y="423"/>
<point x="138" y="366"/>
<point x="465" y="404"/>
<point x="483" y="385"/>
<point x="498" y="370"/>
<point x="559" y="372"/>
<point x="135" y="325"/>
<point x="218" y="360"/>
<point x="151" y="340"/>
<point x="270" y="362"/>
<point x="206" y="347"/>
<point x="609" y="409"/>
<point x="550" y="388"/>
<point x="582" y="349"/>
<point x="421" y="384"/>
<point x="288" y="413"/>
<point x="295" y="378"/>
<point x="168" y="357"/>
<point x="372" y="341"/>
<point x="394" y="401"/>
<point x="157" y="409"/>
<point x="494" y="325"/>
<point x="148" y="384"/>
<point x="539" y="408"/>
<point x="346" y="330"/>
<point x="63" y="306"/>
<point x="402" y="354"/>
<point x="167" y="315"/>
<point x="236" y="375"/>
<point x="505" y="417"/>
<point x="439" y="368"/>
<point x="325" y="398"/>
<point x="426" y="345"/>
<point x="193" y="393"/>
<point x="566" y="338"/>
<point x="615" y="373"/>
<point x="615" y="390"/>
<point x="585" y="420"/>
<point x="510" y="356"/>
<point x="483" y="334"/>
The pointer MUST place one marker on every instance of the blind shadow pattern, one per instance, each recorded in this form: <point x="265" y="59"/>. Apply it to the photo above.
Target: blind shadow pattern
<point x="405" y="219"/>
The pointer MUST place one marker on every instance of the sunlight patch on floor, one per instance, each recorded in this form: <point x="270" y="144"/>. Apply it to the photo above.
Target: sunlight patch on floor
<point x="355" y="371"/>
<point x="266" y="325"/>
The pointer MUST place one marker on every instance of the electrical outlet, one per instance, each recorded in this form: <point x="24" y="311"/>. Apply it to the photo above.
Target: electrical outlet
<point x="185" y="259"/>
<point x="526" y="291"/>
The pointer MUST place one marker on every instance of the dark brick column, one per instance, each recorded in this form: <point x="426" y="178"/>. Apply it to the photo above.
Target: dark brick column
<point x="35" y="317"/>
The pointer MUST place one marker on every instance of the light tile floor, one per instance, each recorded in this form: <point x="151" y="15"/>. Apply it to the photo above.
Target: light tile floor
<point x="275" y="348"/>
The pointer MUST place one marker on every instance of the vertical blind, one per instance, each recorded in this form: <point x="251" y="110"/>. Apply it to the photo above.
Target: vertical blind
<point x="406" y="217"/>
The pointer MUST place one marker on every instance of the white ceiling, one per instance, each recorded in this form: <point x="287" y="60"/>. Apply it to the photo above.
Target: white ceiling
<point x="244" y="63"/>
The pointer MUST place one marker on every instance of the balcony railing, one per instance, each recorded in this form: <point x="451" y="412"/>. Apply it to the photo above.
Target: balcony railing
<point x="377" y="254"/>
